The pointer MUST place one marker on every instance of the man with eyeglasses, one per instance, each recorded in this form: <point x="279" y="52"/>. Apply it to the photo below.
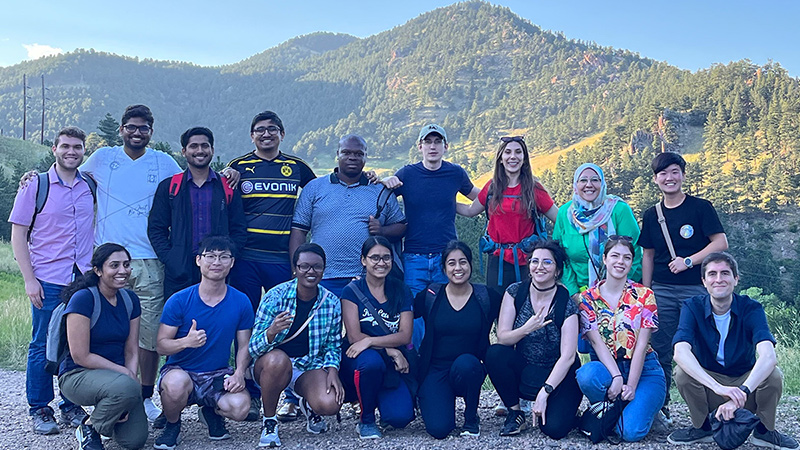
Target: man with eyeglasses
<point x="127" y="177"/>
<point x="198" y="327"/>
<point x="429" y="189"/>
<point x="694" y="231"/>
<point x="190" y="206"/>
<point x="339" y="212"/>
<point x="270" y="182"/>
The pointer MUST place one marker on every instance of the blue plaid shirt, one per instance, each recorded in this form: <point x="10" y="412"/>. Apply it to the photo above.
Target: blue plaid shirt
<point x="324" y="330"/>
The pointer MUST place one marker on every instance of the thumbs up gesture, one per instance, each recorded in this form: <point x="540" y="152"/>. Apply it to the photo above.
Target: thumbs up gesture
<point x="195" y="338"/>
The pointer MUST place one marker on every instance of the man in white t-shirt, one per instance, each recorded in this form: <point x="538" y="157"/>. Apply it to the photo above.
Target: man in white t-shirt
<point x="127" y="177"/>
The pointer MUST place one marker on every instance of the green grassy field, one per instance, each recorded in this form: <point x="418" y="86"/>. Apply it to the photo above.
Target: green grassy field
<point x="26" y="153"/>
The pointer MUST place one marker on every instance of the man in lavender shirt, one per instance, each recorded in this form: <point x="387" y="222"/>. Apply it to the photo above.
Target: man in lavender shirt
<point x="49" y="252"/>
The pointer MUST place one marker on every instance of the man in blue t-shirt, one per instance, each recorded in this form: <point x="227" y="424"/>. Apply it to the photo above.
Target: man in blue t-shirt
<point x="429" y="190"/>
<point x="198" y="326"/>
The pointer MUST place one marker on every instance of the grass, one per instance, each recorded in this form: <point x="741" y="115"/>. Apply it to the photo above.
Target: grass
<point x="13" y="151"/>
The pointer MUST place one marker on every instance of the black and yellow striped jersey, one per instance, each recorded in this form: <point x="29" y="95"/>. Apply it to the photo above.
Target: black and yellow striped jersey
<point x="269" y="191"/>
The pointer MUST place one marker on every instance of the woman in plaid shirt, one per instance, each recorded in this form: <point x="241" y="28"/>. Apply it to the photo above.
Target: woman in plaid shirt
<point x="296" y="343"/>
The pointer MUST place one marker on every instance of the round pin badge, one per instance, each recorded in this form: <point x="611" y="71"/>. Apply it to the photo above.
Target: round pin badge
<point x="687" y="231"/>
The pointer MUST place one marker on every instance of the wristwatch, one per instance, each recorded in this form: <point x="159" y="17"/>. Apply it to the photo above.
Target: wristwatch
<point x="688" y="262"/>
<point x="548" y="389"/>
<point x="745" y="389"/>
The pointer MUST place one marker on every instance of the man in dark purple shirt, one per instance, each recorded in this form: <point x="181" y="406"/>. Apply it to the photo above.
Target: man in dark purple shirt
<point x="190" y="206"/>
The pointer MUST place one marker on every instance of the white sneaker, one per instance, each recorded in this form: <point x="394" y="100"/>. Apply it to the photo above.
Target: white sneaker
<point x="151" y="410"/>
<point x="500" y="410"/>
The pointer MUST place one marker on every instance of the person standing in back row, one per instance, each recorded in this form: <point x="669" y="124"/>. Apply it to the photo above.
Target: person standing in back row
<point x="429" y="189"/>
<point x="669" y="255"/>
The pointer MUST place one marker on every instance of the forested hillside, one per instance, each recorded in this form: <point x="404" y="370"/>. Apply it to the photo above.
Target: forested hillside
<point x="482" y="72"/>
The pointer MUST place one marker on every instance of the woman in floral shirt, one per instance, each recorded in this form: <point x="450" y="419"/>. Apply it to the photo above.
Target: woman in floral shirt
<point x="617" y="318"/>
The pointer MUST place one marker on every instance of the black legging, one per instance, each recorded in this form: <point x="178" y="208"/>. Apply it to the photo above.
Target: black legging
<point x="513" y="378"/>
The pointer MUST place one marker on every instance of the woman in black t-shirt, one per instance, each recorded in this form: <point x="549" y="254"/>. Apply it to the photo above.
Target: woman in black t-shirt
<point x="374" y="358"/>
<point x="535" y="357"/>
<point x="458" y="317"/>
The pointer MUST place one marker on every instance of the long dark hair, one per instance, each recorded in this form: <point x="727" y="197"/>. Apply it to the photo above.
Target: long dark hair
<point x="453" y="246"/>
<point x="394" y="288"/>
<point x="89" y="278"/>
<point x="527" y="181"/>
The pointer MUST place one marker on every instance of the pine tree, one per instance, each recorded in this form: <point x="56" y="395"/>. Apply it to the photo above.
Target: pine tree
<point x="109" y="130"/>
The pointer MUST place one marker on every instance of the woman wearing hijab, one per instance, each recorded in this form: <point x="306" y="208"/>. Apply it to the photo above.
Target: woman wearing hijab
<point x="585" y="223"/>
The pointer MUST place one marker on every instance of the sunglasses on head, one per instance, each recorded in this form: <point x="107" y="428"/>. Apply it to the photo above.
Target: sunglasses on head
<point x="508" y="139"/>
<point x="617" y="237"/>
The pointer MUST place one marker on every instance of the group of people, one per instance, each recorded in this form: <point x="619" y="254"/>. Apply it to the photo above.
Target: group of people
<point x="378" y="309"/>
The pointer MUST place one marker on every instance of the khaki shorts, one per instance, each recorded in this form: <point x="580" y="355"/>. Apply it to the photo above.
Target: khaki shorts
<point x="147" y="281"/>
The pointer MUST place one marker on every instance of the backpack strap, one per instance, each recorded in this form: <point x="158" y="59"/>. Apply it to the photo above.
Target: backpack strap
<point x="227" y="190"/>
<point x="561" y="308"/>
<point x="126" y="299"/>
<point x="522" y="295"/>
<point x="370" y="308"/>
<point x="175" y="185"/>
<point x="42" y="193"/>
<point x="91" y="183"/>
<point x="430" y="296"/>
<point x="482" y="295"/>
<point x="97" y="306"/>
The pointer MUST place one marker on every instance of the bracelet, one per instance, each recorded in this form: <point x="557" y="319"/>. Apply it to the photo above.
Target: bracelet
<point x="615" y="376"/>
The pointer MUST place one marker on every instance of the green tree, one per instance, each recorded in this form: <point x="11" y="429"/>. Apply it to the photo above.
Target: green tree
<point x="109" y="130"/>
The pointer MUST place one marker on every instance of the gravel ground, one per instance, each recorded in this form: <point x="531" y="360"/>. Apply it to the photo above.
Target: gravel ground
<point x="16" y="434"/>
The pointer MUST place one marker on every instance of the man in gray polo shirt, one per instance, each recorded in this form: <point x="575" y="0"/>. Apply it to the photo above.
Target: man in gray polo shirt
<point x="339" y="212"/>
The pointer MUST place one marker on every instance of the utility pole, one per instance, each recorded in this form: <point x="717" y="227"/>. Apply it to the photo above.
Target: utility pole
<point x="24" y="106"/>
<point x="41" y="138"/>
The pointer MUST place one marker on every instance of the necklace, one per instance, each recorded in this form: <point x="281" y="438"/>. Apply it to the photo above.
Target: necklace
<point x="545" y="289"/>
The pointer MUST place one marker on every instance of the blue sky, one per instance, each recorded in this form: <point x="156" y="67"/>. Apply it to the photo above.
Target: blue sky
<point x="689" y="34"/>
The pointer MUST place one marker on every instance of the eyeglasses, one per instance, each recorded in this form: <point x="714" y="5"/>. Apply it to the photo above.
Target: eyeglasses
<point x="212" y="258"/>
<point x="593" y="180"/>
<point x="378" y="258"/>
<point x="507" y="139"/>
<point x="270" y="129"/>
<point x="357" y="154"/>
<point x="547" y="262"/>
<point x="144" y="129"/>
<point x="306" y="267"/>
<point x="617" y="237"/>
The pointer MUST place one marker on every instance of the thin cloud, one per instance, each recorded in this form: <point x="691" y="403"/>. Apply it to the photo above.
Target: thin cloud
<point x="36" y="51"/>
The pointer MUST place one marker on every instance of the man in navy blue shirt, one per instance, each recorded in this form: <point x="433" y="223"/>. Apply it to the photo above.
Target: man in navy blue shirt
<point x="717" y="369"/>
<point x="429" y="190"/>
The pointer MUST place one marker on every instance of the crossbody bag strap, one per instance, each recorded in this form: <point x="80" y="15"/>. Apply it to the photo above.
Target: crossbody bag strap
<point x="663" y="222"/>
<point x="370" y="308"/>
<point x="303" y="326"/>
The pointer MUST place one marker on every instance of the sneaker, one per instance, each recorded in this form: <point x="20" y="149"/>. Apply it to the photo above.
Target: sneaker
<point x="690" y="435"/>
<point x="88" y="438"/>
<point x="315" y="423"/>
<point x="170" y="437"/>
<point x="255" y="410"/>
<point x="73" y="417"/>
<point x="269" y="434"/>
<point x="368" y="431"/>
<point x="773" y="439"/>
<point x="500" y="410"/>
<point x="44" y="422"/>
<point x="151" y="410"/>
<point x="667" y="417"/>
<point x="515" y="423"/>
<point x="160" y="422"/>
<point x="287" y="413"/>
<point x="214" y="422"/>
<point x="472" y="427"/>
<point x="661" y="423"/>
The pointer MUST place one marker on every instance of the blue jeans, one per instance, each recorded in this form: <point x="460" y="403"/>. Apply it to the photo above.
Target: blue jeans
<point x="420" y="271"/>
<point x="336" y="285"/>
<point x="39" y="383"/>
<point x="637" y="417"/>
<point x="249" y="277"/>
